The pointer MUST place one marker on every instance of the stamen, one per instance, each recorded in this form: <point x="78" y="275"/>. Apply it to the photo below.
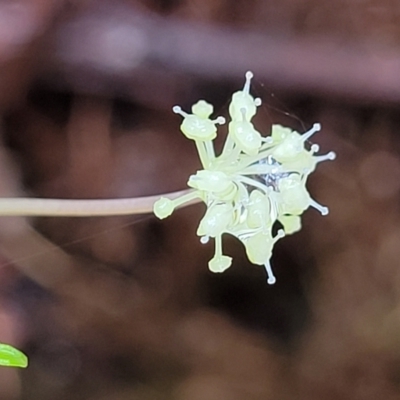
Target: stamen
<point x="271" y="277"/>
<point x="314" y="148"/>
<point x="322" y="209"/>
<point x="314" y="129"/>
<point x="246" y="87"/>
<point x="178" y="110"/>
<point x="329" y="156"/>
<point x="257" y="102"/>
<point x="219" y="120"/>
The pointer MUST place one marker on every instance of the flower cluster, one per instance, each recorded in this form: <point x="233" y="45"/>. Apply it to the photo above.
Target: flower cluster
<point x="254" y="182"/>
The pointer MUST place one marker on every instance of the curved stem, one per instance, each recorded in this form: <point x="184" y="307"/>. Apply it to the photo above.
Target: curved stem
<point x="83" y="208"/>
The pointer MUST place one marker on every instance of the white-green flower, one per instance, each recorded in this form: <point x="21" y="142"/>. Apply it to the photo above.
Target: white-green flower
<point x="254" y="182"/>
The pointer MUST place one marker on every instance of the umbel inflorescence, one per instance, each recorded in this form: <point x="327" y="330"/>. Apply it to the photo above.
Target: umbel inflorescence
<point x="254" y="182"/>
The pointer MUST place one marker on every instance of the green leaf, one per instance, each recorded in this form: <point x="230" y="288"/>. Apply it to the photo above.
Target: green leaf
<point x="11" y="357"/>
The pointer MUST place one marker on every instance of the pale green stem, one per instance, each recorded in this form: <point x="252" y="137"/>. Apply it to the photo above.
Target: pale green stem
<point x="252" y="160"/>
<point x="228" y="160"/>
<point x="186" y="198"/>
<point x="233" y="156"/>
<point x="210" y="150"/>
<point x="228" y="146"/>
<point x="201" y="149"/>
<point x="218" y="246"/>
<point x="87" y="208"/>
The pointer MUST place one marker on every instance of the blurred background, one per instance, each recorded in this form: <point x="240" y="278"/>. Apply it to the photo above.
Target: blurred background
<point x="125" y="308"/>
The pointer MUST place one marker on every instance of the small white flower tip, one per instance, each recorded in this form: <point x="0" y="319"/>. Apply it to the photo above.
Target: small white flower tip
<point x="220" y="120"/>
<point x="316" y="127"/>
<point x="249" y="75"/>
<point x="331" y="155"/>
<point x="257" y="102"/>
<point x="324" y="210"/>
<point x="204" y="239"/>
<point x="177" y="109"/>
<point x="271" y="277"/>
<point x="314" y="148"/>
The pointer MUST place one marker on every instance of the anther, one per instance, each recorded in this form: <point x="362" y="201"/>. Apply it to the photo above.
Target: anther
<point x="307" y="135"/>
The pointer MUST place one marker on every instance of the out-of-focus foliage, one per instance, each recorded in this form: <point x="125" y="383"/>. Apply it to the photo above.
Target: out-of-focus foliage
<point x="12" y="357"/>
